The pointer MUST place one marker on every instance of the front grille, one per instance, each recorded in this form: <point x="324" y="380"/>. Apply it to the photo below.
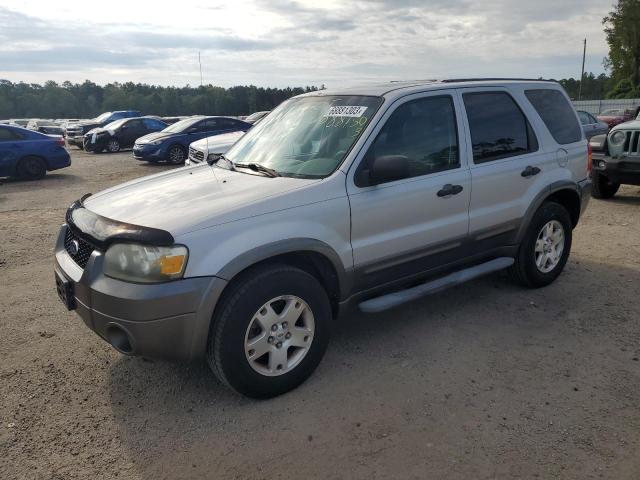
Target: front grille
<point x="196" y="155"/>
<point x="632" y="143"/>
<point x="84" y="249"/>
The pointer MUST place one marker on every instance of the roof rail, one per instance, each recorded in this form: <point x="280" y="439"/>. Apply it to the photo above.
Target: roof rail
<point x="461" y="80"/>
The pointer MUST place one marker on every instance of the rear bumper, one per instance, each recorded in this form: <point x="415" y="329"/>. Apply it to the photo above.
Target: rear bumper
<point x="76" y="140"/>
<point x="584" y="187"/>
<point x="168" y="320"/>
<point x="624" y="170"/>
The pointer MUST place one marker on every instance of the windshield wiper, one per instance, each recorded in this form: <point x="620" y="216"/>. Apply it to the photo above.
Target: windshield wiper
<point x="256" y="167"/>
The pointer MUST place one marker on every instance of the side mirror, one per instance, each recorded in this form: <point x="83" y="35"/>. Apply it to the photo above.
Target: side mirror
<point x="124" y="127"/>
<point x="192" y="130"/>
<point x="213" y="158"/>
<point x="388" y="168"/>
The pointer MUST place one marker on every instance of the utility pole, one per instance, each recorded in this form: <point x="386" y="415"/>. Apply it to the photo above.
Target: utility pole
<point x="584" y="54"/>
<point x="200" y="63"/>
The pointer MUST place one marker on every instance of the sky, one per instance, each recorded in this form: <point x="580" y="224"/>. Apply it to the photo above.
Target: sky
<point x="282" y="43"/>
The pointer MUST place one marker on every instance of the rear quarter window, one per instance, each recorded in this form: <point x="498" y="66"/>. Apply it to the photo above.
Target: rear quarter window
<point x="557" y="114"/>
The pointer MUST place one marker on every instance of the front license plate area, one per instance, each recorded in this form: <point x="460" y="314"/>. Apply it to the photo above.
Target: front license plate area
<point x="65" y="291"/>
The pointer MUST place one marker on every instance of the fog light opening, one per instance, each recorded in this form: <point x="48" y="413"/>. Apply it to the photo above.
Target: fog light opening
<point x="119" y="339"/>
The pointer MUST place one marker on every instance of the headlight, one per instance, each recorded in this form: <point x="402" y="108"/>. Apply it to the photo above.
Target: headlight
<point x="157" y="142"/>
<point x="144" y="263"/>
<point x="617" y="137"/>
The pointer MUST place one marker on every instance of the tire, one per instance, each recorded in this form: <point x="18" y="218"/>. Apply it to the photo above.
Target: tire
<point x="236" y="326"/>
<point x="113" y="145"/>
<point x="602" y="187"/>
<point x="526" y="269"/>
<point x="176" y="155"/>
<point x="31" y="168"/>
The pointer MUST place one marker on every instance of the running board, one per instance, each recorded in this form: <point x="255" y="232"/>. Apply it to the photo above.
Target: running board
<point x="394" y="299"/>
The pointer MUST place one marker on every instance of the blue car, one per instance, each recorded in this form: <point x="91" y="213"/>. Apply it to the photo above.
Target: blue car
<point x="172" y="143"/>
<point x="28" y="154"/>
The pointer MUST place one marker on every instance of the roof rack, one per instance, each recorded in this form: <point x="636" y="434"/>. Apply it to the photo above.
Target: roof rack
<point x="461" y="80"/>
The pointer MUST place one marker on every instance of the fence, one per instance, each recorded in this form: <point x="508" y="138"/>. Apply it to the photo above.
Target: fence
<point x="596" y="106"/>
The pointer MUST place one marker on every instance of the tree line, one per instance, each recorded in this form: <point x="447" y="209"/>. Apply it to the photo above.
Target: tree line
<point x="87" y="99"/>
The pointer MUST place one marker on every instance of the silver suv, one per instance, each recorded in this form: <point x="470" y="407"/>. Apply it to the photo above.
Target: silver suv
<point x="368" y="196"/>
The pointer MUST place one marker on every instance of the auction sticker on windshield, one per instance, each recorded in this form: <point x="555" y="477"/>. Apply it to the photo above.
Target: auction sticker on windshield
<point x="346" y="111"/>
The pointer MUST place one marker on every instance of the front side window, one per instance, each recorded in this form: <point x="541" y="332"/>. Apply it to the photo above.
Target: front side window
<point x="498" y="127"/>
<point x="152" y="124"/>
<point x="307" y="137"/>
<point x="423" y="131"/>
<point x="556" y="113"/>
<point x="584" y="118"/>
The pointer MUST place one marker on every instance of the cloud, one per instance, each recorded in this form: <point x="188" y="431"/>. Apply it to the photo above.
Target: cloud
<point x="286" y="42"/>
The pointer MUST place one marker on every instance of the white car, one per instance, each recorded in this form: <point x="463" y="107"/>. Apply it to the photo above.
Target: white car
<point x="200" y="150"/>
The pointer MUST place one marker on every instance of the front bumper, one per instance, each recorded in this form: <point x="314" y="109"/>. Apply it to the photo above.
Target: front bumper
<point x="168" y="320"/>
<point x="148" y="152"/>
<point x="625" y="170"/>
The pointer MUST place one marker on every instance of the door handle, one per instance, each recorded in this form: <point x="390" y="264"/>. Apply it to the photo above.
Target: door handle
<point x="449" y="190"/>
<point x="530" y="171"/>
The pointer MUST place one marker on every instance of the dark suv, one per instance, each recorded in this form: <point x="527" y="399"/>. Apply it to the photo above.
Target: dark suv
<point x="120" y="134"/>
<point x="75" y="132"/>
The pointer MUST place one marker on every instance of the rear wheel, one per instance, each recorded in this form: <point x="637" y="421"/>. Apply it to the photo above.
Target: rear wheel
<point x="31" y="168"/>
<point x="545" y="248"/>
<point x="176" y="155"/>
<point x="602" y="187"/>
<point x="270" y="331"/>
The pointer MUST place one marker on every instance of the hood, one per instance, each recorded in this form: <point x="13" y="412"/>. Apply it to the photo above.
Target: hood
<point x="152" y="137"/>
<point x="191" y="198"/>
<point x="210" y="143"/>
<point x="631" y="125"/>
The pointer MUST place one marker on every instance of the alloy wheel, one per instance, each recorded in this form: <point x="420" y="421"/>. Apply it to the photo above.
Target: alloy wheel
<point x="279" y="335"/>
<point x="549" y="246"/>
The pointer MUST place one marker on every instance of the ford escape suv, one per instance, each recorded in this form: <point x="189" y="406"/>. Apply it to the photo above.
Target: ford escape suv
<point x="367" y="196"/>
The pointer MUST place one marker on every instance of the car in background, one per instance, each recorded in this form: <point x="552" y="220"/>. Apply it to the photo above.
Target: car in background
<point x="615" y="116"/>
<point x="29" y="155"/>
<point x="621" y="165"/>
<point x="120" y="134"/>
<point x="209" y="149"/>
<point x="75" y="132"/>
<point x="172" y="143"/>
<point x="256" y="117"/>
<point x="20" y="122"/>
<point x="591" y="126"/>
<point x="48" y="127"/>
<point x="172" y="120"/>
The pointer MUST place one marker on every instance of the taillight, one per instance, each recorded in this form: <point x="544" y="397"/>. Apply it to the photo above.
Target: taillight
<point x="589" y="158"/>
<point x="60" y="141"/>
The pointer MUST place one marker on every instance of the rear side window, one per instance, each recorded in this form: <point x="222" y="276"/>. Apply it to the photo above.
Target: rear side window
<point x="7" y="135"/>
<point x="498" y="127"/>
<point x="557" y="114"/>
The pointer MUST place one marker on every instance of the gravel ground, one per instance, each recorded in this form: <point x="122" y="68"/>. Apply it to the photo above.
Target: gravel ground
<point x="487" y="380"/>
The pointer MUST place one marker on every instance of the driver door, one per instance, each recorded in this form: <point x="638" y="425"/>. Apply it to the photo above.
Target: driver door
<point x="408" y="226"/>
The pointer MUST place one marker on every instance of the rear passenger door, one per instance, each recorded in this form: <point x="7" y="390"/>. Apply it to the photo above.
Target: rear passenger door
<point x="410" y="225"/>
<point x="508" y="166"/>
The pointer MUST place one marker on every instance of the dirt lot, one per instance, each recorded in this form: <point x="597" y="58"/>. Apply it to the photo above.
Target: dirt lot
<point x="485" y="381"/>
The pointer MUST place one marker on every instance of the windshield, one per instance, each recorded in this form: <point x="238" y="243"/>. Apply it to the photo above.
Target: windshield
<point x="103" y="117"/>
<point x="612" y="112"/>
<point x="254" y="116"/>
<point x="182" y="125"/>
<point x="115" y="124"/>
<point x="306" y="137"/>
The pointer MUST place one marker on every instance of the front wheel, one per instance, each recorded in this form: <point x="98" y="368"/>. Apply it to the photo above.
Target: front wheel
<point x="176" y="155"/>
<point x="602" y="187"/>
<point x="545" y="248"/>
<point x="113" y="146"/>
<point x="270" y="331"/>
